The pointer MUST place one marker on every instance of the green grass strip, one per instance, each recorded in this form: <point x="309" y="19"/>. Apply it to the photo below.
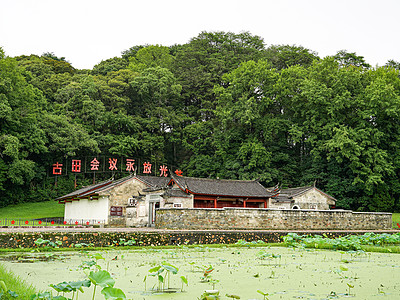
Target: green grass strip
<point x="16" y="284"/>
<point x="396" y="219"/>
<point x="386" y="249"/>
<point x="366" y="248"/>
<point x="34" y="210"/>
<point x="368" y="242"/>
<point x="70" y="249"/>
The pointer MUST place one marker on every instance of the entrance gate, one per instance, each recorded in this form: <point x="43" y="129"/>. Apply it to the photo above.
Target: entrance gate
<point x="154" y="203"/>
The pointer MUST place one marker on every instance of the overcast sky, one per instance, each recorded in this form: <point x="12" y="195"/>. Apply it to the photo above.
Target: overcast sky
<point x="86" y="32"/>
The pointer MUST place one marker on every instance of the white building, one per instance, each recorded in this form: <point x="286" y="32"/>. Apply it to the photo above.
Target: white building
<point x="307" y="197"/>
<point x="113" y="202"/>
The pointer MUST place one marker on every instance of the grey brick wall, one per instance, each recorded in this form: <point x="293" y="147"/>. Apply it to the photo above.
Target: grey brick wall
<point x="270" y="219"/>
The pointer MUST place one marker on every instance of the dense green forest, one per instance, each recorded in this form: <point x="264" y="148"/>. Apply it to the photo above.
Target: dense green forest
<point x="223" y="105"/>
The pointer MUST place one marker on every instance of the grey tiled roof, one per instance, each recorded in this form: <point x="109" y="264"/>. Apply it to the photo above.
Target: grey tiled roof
<point x="154" y="181"/>
<point x="113" y="183"/>
<point x="296" y="191"/>
<point x="151" y="181"/>
<point x="175" y="193"/>
<point x="94" y="188"/>
<point x="221" y="187"/>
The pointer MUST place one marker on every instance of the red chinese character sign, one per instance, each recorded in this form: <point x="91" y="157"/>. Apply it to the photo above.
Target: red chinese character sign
<point x="130" y="165"/>
<point x="164" y="171"/>
<point x="57" y="168"/>
<point x="178" y="172"/>
<point x="94" y="164"/>
<point x="102" y="164"/>
<point x="147" y="168"/>
<point x="76" y="165"/>
<point x="113" y="164"/>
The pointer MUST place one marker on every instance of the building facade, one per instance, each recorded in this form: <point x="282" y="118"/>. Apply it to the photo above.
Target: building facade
<point x="133" y="201"/>
<point x="112" y="202"/>
<point x="218" y="193"/>
<point x="307" y="197"/>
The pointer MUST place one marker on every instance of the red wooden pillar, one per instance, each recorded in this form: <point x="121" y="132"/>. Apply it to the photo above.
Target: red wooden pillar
<point x="265" y="203"/>
<point x="244" y="203"/>
<point x="215" y="202"/>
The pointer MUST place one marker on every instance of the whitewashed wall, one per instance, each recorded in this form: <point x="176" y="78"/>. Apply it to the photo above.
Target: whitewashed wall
<point x="186" y="202"/>
<point x="278" y="205"/>
<point x="87" y="210"/>
<point x="312" y="199"/>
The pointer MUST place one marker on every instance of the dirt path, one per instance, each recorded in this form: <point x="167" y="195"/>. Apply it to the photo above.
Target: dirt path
<point x="152" y="229"/>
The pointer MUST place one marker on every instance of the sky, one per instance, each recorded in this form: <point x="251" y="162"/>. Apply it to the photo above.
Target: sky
<point x="86" y="32"/>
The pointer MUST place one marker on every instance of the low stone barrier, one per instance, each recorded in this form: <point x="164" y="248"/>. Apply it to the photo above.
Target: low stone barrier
<point x="270" y="219"/>
<point x="15" y="240"/>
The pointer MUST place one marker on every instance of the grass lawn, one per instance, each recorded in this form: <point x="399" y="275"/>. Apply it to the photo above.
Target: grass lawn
<point x="47" y="209"/>
<point x="396" y="219"/>
<point x="11" y="282"/>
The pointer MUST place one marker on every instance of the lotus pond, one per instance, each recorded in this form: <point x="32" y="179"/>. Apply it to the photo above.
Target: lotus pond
<point x="246" y="272"/>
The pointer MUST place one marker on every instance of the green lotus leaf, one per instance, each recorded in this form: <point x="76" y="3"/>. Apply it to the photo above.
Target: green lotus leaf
<point x="113" y="293"/>
<point x="170" y="268"/>
<point x="77" y="285"/>
<point x="101" y="278"/>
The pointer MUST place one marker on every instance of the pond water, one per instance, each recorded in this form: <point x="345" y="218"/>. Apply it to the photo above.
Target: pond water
<point x="283" y="273"/>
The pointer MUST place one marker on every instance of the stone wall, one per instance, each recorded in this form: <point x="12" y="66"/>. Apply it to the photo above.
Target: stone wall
<point x="16" y="240"/>
<point x="270" y="219"/>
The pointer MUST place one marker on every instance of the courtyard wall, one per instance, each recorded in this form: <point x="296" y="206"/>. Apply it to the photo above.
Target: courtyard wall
<point x="229" y="218"/>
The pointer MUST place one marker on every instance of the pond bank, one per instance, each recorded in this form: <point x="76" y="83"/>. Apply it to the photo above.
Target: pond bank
<point x="103" y="237"/>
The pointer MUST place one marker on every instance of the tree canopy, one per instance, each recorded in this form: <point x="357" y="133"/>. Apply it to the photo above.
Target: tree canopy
<point x="222" y="105"/>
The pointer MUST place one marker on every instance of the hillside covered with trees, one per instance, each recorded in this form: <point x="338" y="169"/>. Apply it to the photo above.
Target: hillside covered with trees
<point x="223" y="105"/>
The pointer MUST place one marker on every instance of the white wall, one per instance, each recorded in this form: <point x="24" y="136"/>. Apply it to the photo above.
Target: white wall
<point x="278" y="205"/>
<point x="312" y="199"/>
<point x="187" y="202"/>
<point x="87" y="210"/>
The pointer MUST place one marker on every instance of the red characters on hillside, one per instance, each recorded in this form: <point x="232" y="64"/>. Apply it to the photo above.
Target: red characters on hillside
<point x="94" y="165"/>
<point x="178" y="172"/>
<point x="147" y="168"/>
<point x="164" y="171"/>
<point x="130" y="165"/>
<point x="113" y="164"/>
<point x="76" y="165"/>
<point x="57" y="168"/>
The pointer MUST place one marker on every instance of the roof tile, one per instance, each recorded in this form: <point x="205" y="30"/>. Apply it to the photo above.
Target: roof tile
<point x="222" y="187"/>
